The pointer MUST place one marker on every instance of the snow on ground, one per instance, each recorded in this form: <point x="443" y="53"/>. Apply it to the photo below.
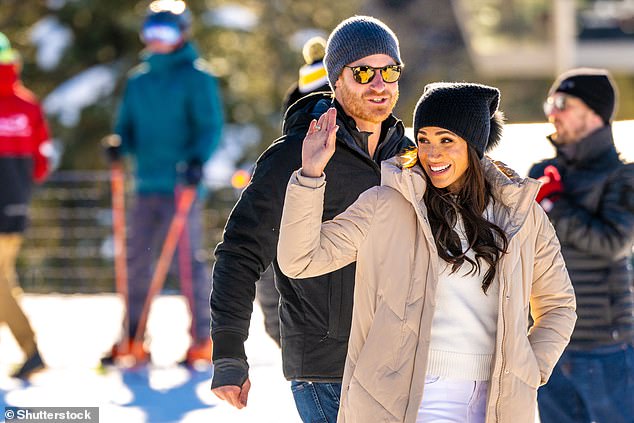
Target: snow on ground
<point x="231" y="16"/>
<point x="74" y="331"/>
<point x="52" y="39"/>
<point x="87" y="87"/>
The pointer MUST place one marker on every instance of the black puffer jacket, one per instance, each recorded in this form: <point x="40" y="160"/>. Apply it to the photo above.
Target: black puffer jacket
<point x="315" y="314"/>
<point x="594" y="221"/>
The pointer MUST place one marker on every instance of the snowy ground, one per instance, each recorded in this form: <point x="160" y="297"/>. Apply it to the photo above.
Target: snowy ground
<point x="75" y="330"/>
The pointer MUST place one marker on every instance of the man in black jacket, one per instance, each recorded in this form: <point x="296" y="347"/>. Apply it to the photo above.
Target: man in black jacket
<point x="588" y="193"/>
<point x="363" y="65"/>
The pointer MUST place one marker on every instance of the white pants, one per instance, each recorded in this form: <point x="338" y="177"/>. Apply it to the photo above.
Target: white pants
<point x="452" y="400"/>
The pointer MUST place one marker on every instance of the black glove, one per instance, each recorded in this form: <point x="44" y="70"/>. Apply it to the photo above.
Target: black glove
<point x="113" y="154"/>
<point x="193" y="172"/>
<point x="229" y="371"/>
<point x="112" y="146"/>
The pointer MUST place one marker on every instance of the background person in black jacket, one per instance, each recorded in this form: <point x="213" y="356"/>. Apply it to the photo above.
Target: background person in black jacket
<point x="363" y="64"/>
<point x="588" y="194"/>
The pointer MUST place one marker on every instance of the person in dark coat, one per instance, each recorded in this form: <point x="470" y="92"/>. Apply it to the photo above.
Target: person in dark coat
<point x="588" y="193"/>
<point x="363" y="65"/>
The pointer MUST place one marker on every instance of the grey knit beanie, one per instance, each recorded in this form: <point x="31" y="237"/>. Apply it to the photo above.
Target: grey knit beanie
<point x="355" y="38"/>
<point x="466" y="109"/>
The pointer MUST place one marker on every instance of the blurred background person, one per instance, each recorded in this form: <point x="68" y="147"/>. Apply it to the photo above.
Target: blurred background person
<point x="588" y="193"/>
<point x="312" y="74"/>
<point x="24" y="139"/>
<point x="169" y="122"/>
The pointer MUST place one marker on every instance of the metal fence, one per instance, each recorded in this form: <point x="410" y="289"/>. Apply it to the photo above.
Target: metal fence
<point x="68" y="244"/>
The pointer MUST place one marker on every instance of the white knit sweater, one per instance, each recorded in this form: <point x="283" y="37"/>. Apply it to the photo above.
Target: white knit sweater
<point x="464" y="324"/>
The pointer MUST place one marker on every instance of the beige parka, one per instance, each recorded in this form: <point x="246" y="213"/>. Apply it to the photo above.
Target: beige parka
<point x="386" y="232"/>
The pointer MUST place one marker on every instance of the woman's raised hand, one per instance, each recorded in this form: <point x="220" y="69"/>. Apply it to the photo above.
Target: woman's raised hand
<point x="319" y="144"/>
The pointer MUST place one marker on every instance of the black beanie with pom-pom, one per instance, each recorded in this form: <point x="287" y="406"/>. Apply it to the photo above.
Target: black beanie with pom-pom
<point x="466" y="109"/>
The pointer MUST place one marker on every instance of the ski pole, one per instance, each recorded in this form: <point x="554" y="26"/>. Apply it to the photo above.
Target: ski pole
<point x="117" y="183"/>
<point x="185" y="271"/>
<point x="183" y="206"/>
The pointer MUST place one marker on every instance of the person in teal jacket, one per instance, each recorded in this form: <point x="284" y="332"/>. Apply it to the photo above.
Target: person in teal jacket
<point x="169" y="124"/>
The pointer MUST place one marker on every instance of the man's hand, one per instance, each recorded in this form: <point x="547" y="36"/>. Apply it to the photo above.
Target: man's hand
<point x="234" y="395"/>
<point x="319" y="144"/>
<point x="551" y="188"/>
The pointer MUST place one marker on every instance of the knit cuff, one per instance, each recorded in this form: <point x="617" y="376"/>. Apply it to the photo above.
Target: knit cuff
<point x="228" y="344"/>
<point x="229" y="372"/>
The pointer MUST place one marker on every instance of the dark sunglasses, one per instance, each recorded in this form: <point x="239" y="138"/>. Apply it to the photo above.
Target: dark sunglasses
<point x="555" y="103"/>
<point x="365" y="74"/>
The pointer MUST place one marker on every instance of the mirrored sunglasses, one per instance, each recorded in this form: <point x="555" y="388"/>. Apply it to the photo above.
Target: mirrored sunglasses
<point x="555" y="103"/>
<point x="365" y="74"/>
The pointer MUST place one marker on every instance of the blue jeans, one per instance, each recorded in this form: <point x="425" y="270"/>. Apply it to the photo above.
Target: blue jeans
<point x="590" y="386"/>
<point x="316" y="402"/>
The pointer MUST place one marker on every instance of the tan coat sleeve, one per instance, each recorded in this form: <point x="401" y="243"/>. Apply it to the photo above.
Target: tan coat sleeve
<point x="552" y="297"/>
<point x="307" y="247"/>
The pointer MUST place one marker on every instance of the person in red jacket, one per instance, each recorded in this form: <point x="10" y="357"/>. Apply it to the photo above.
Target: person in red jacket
<point x="23" y="161"/>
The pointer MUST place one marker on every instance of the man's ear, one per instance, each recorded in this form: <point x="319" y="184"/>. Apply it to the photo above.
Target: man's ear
<point x="593" y="120"/>
<point x="338" y="82"/>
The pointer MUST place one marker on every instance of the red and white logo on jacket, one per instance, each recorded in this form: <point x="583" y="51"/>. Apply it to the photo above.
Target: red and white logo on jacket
<point x="16" y="125"/>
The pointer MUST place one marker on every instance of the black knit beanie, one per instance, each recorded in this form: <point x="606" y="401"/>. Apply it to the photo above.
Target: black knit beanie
<point x="593" y="86"/>
<point x="355" y="38"/>
<point x="466" y="109"/>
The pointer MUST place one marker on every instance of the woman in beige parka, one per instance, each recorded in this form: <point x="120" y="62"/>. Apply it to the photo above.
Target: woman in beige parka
<point x="453" y="256"/>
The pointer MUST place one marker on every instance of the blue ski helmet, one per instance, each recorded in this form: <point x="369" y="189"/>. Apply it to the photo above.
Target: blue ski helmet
<point x="167" y="21"/>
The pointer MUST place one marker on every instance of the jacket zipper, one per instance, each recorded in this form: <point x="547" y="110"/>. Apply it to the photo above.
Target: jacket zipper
<point x="503" y="367"/>
<point x="424" y="222"/>
<point x="388" y="135"/>
<point x="504" y="291"/>
<point x="376" y="166"/>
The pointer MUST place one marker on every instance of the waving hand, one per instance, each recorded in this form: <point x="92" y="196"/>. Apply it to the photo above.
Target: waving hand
<point x="319" y="144"/>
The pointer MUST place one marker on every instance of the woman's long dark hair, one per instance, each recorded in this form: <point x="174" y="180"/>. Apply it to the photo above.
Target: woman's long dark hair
<point x="485" y="238"/>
